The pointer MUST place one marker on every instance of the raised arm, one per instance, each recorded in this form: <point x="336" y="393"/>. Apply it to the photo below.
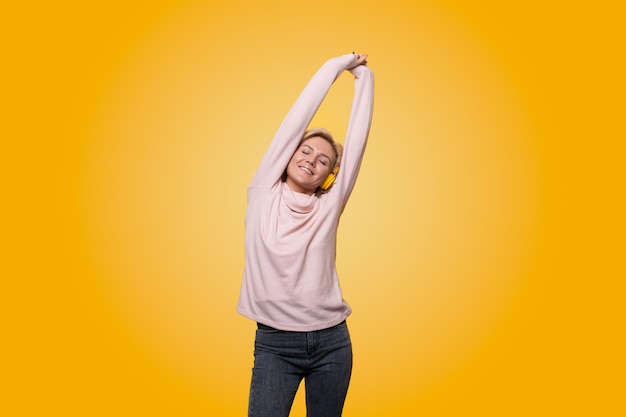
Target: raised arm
<point x="297" y="120"/>
<point x="358" y="130"/>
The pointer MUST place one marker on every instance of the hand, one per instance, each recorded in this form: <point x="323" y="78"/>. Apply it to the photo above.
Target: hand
<point x="361" y="59"/>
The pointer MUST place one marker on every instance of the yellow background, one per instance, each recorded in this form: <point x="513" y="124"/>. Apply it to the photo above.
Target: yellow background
<point x="482" y="250"/>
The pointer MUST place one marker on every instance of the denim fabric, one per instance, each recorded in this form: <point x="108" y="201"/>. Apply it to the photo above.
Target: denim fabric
<point x="323" y="358"/>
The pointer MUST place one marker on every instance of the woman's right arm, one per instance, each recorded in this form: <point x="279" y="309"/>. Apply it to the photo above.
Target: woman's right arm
<point x="290" y="132"/>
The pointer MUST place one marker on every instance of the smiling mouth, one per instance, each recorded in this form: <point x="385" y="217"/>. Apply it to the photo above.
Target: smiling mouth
<point x="305" y="169"/>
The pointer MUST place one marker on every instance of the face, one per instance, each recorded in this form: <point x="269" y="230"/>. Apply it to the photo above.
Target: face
<point x="310" y="165"/>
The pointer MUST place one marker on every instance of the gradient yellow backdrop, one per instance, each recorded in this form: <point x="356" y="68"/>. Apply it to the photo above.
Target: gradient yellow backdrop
<point x="482" y="250"/>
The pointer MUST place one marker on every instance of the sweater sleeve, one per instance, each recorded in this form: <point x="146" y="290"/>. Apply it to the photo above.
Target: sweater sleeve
<point x="292" y="128"/>
<point x="358" y="131"/>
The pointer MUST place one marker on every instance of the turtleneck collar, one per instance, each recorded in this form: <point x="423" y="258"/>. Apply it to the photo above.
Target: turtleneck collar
<point x="298" y="202"/>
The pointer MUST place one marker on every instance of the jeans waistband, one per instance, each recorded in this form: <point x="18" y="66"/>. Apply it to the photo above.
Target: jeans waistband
<point x="266" y="327"/>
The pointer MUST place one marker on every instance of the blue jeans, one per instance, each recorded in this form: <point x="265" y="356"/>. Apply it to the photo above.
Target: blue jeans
<point x="323" y="358"/>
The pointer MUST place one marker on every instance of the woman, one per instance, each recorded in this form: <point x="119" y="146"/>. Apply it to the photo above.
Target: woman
<point x="290" y="285"/>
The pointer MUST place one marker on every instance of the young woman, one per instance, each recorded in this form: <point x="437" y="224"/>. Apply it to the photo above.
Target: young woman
<point x="290" y="285"/>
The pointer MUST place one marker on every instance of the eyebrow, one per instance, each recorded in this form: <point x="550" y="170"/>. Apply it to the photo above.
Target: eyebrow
<point x="321" y="153"/>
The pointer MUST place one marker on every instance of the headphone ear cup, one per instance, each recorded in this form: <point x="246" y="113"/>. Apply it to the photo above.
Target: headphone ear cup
<point x="330" y="179"/>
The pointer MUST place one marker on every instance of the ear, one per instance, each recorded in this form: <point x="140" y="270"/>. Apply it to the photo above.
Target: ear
<point x="330" y="179"/>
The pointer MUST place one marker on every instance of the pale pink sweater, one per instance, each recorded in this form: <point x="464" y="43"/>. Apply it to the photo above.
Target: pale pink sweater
<point x="290" y="280"/>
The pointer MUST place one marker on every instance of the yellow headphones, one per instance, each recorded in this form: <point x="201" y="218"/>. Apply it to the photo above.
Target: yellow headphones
<point x="330" y="179"/>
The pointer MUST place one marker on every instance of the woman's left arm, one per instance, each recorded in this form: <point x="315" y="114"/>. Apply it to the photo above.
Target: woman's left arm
<point x="358" y="130"/>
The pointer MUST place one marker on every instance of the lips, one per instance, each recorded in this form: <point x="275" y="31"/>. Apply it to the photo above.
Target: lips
<point x="305" y="169"/>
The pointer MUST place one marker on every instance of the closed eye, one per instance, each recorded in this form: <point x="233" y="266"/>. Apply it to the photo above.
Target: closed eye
<point x="322" y="158"/>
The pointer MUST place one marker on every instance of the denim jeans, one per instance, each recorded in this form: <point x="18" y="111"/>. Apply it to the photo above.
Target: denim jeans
<point x="323" y="358"/>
